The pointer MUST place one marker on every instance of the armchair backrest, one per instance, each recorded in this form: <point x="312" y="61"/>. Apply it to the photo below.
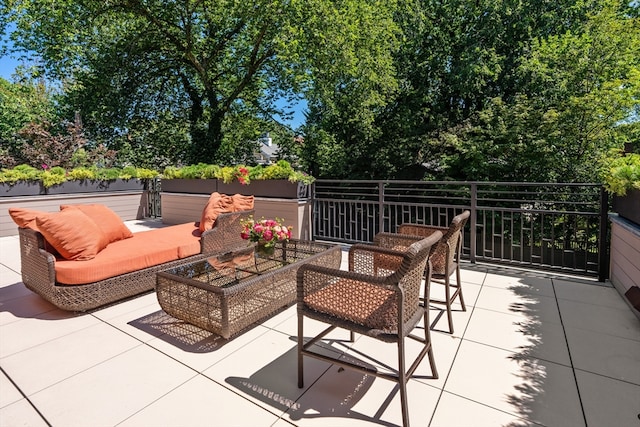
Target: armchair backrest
<point x="453" y="241"/>
<point x="409" y="275"/>
<point x="447" y="250"/>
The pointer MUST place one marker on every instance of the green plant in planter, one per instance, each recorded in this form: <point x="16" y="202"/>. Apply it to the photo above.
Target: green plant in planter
<point x="241" y="173"/>
<point x="77" y="174"/>
<point x="58" y="175"/>
<point x="621" y="173"/>
<point x="199" y="171"/>
<point x="20" y="173"/>
<point x="53" y="176"/>
<point x="280" y="170"/>
<point x="140" y="173"/>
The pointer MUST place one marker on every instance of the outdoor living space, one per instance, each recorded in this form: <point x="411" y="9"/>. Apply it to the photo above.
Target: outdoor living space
<point x="532" y="348"/>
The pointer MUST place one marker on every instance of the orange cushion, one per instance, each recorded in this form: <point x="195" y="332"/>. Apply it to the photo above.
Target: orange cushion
<point x="25" y="218"/>
<point x="242" y="202"/>
<point x="144" y="249"/>
<point x="73" y="234"/>
<point x="108" y="221"/>
<point x="217" y="204"/>
<point x="358" y="302"/>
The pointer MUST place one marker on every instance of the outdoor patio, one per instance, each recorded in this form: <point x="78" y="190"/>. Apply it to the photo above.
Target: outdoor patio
<point x="532" y="348"/>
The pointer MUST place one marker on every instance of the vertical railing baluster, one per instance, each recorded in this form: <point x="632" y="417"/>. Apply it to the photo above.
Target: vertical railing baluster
<point x="474" y="222"/>
<point x="603" y="237"/>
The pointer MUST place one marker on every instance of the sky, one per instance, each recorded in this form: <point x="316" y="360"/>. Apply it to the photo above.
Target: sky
<point x="7" y="66"/>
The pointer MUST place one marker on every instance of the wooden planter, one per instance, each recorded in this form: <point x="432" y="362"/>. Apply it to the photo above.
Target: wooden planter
<point x="624" y="267"/>
<point x="21" y="189"/>
<point x="628" y="206"/>
<point x="189" y="186"/>
<point x="35" y="188"/>
<point x="127" y="204"/>
<point x="178" y="208"/>
<point x="273" y="188"/>
<point x="96" y="186"/>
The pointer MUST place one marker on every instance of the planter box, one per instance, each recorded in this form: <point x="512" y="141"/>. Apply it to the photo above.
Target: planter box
<point x="97" y="186"/>
<point x="628" y="206"/>
<point x="624" y="266"/>
<point x="178" y="208"/>
<point x="189" y="186"/>
<point x="127" y="204"/>
<point x="274" y="188"/>
<point x="21" y="188"/>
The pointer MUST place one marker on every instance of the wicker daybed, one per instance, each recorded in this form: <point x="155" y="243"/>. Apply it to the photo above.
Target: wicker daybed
<point x="39" y="263"/>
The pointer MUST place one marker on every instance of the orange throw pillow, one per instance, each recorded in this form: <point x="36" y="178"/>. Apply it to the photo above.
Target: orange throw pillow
<point x="73" y="234"/>
<point x="242" y="202"/>
<point x="25" y="218"/>
<point x="106" y="219"/>
<point x="217" y="204"/>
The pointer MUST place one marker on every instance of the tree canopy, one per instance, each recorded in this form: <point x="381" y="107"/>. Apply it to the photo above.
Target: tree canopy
<point x="414" y="89"/>
<point x="189" y="73"/>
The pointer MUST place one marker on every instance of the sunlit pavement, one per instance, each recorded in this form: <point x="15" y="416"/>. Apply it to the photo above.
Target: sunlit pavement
<point x="532" y="349"/>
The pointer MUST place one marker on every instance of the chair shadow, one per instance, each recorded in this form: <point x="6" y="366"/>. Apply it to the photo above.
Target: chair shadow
<point x="329" y="392"/>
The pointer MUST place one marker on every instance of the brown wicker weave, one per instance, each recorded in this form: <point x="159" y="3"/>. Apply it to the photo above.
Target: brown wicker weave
<point x="39" y="275"/>
<point x="226" y="294"/>
<point x="445" y="256"/>
<point x="381" y="302"/>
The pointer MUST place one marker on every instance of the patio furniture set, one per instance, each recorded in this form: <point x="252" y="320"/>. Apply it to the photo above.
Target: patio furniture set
<point x="222" y="285"/>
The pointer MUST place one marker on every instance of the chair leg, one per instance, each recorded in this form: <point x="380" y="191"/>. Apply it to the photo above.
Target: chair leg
<point x="447" y="300"/>
<point x="459" y="283"/>
<point x="300" y="346"/>
<point x="427" y="340"/>
<point x="402" y="382"/>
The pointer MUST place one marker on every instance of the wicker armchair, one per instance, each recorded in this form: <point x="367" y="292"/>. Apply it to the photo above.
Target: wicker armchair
<point x="379" y="296"/>
<point x="445" y="256"/>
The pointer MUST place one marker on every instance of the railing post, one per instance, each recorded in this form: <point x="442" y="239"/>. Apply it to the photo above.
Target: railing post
<point x="603" y="237"/>
<point x="381" y="206"/>
<point x="314" y="214"/>
<point x="474" y="220"/>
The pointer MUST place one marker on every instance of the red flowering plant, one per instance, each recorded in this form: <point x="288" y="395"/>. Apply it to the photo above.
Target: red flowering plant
<point x="241" y="173"/>
<point x="265" y="232"/>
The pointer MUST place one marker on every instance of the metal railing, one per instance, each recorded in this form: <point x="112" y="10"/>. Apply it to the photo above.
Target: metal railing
<point x="560" y="227"/>
<point x="154" y="207"/>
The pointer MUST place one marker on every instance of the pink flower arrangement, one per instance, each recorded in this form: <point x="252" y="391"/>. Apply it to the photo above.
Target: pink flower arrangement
<point x="265" y="231"/>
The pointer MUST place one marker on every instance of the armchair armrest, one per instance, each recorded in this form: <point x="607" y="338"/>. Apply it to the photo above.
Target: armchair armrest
<point x="37" y="265"/>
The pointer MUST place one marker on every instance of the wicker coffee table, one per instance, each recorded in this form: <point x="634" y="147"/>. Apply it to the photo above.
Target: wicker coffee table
<point x="225" y="294"/>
